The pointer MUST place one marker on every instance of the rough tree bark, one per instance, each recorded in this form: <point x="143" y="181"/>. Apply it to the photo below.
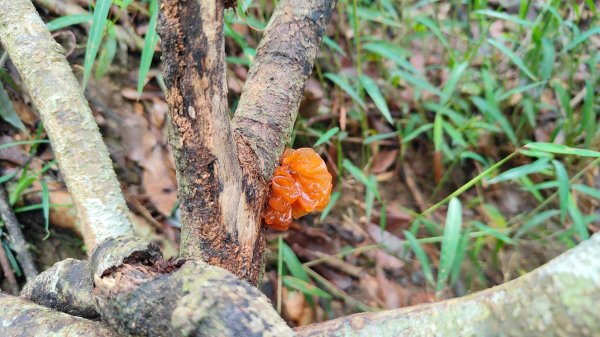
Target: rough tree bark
<point x="222" y="183"/>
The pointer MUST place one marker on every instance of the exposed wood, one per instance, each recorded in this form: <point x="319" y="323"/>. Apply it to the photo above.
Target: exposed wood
<point x="558" y="299"/>
<point x="82" y="156"/>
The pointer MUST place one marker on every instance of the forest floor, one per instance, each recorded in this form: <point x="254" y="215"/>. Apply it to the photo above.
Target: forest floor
<point x="409" y="102"/>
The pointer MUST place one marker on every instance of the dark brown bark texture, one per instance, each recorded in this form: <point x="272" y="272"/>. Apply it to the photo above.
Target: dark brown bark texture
<point x="222" y="181"/>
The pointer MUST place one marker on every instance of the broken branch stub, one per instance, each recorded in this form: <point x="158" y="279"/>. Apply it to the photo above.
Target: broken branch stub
<point x="141" y="294"/>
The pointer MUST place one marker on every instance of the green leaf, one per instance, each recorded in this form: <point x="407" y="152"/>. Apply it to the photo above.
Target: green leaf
<point x="578" y="221"/>
<point x="305" y="287"/>
<point x="373" y="91"/>
<point x="326" y="136"/>
<point x="503" y="16"/>
<point x="293" y="264"/>
<point x="11" y="259"/>
<point x="95" y="37"/>
<point x="561" y="149"/>
<point x="150" y="42"/>
<point x="7" y="110"/>
<point x="581" y="38"/>
<point x="513" y="57"/>
<point x="340" y="82"/>
<point x="46" y="207"/>
<point x="421" y="256"/>
<point x="492" y="232"/>
<point x="460" y="256"/>
<point x="107" y="53"/>
<point x="450" y="241"/>
<point x="334" y="197"/>
<point x="452" y="81"/>
<point x="563" y="187"/>
<point x="68" y="20"/>
<point x="537" y="166"/>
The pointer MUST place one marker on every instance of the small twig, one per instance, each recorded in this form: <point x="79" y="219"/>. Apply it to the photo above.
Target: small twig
<point x="8" y="272"/>
<point x="20" y="246"/>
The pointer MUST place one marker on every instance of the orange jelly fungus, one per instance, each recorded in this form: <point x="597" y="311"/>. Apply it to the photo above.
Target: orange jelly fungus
<point x="299" y="186"/>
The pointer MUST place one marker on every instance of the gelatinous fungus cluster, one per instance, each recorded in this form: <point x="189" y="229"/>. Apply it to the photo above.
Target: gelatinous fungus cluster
<point x="300" y="185"/>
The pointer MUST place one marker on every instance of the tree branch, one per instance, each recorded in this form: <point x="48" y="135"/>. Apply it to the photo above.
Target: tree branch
<point x="558" y="299"/>
<point x="273" y="91"/>
<point x="208" y="172"/>
<point x="76" y="140"/>
<point x="23" y="318"/>
<point x="20" y="246"/>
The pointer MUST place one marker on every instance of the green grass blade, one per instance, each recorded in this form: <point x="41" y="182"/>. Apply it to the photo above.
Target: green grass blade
<point x="68" y="20"/>
<point x="340" y="82"/>
<point x="150" y="42"/>
<point x="380" y="136"/>
<point x="503" y="16"/>
<point x="492" y="232"/>
<point x="435" y="29"/>
<point x="107" y="53"/>
<point x="326" y="136"/>
<point x="493" y="113"/>
<point x="578" y="221"/>
<point x="334" y="197"/>
<point x="46" y="207"/>
<point x="333" y="45"/>
<point x="450" y="241"/>
<point x="421" y="256"/>
<point x="536" y="220"/>
<point x="373" y="91"/>
<point x="537" y="166"/>
<point x="7" y="110"/>
<point x="305" y="287"/>
<point x="452" y="81"/>
<point x="95" y="37"/>
<point x="588" y="121"/>
<point x="563" y="187"/>
<point x="361" y="177"/>
<point x="418" y="82"/>
<point x="513" y="57"/>
<point x="391" y="52"/>
<point x="548" y="59"/>
<point x="581" y="38"/>
<point x="292" y="263"/>
<point x="522" y="89"/>
<point x="592" y="192"/>
<point x="415" y="133"/>
<point x="561" y="149"/>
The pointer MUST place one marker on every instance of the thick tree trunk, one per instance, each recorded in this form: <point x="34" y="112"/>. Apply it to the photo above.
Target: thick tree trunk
<point x="221" y="186"/>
